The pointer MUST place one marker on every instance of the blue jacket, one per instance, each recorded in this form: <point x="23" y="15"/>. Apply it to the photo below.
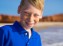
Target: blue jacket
<point x="15" y="35"/>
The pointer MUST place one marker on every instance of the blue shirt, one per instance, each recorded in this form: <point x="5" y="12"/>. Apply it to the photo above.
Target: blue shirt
<point x="15" y="35"/>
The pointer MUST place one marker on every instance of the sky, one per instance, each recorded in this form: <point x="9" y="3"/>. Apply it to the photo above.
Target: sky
<point x="51" y="7"/>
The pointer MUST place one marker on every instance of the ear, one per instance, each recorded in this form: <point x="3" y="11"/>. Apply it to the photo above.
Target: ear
<point x="19" y="9"/>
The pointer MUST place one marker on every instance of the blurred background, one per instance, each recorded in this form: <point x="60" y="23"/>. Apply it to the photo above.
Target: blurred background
<point x="50" y="26"/>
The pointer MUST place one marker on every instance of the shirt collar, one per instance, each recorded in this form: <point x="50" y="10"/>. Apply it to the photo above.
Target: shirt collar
<point x="18" y="27"/>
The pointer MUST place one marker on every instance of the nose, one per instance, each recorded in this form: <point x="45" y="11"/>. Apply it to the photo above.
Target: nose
<point x="31" y="18"/>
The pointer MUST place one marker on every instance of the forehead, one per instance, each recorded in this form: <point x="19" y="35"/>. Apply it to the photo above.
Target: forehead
<point x="30" y="8"/>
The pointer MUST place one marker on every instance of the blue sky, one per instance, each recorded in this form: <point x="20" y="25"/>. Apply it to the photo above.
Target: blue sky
<point x="51" y="7"/>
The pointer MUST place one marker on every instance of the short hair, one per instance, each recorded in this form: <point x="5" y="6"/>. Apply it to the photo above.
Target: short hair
<point x="39" y="4"/>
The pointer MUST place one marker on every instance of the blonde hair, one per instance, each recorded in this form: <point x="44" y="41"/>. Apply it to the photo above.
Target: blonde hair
<point x="39" y="4"/>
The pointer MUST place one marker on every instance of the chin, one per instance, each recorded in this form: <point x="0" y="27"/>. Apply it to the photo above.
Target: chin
<point x="29" y="27"/>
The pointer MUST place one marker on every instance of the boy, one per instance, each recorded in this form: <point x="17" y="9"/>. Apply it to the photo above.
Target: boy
<point x="22" y="33"/>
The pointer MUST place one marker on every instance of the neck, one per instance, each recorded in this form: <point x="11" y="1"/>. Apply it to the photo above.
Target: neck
<point x="28" y="30"/>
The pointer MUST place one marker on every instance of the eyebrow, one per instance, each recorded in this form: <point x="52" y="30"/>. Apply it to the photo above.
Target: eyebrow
<point x="37" y="14"/>
<point x="30" y="12"/>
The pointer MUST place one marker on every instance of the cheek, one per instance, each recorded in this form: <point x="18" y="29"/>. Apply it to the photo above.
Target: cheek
<point x="37" y="20"/>
<point x="23" y="18"/>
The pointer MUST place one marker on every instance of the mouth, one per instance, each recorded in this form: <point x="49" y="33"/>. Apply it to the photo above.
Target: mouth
<point x="29" y="23"/>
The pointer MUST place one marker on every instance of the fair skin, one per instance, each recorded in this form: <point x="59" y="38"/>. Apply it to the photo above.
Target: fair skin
<point x="29" y="16"/>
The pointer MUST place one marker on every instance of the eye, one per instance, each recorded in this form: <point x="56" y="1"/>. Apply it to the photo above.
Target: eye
<point x="36" y="15"/>
<point x="25" y="13"/>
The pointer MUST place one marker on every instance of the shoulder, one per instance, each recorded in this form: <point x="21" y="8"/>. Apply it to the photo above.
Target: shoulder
<point x="6" y="27"/>
<point x="37" y="37"/>
<point x="5" y="30"/>
<point x="36" y="34"/>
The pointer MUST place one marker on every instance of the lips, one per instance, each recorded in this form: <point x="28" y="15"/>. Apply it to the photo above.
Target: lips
<point x="29" y="23"/>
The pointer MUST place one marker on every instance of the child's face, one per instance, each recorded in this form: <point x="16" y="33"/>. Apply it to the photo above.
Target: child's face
<point x="29" y="16"/>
